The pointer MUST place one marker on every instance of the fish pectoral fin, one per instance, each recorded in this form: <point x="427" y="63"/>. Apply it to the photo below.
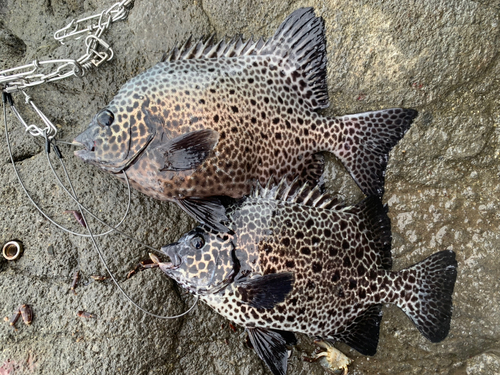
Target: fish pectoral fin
<point x="209" y="211"/>
<point x="266" y="291"/>
<point x="187" y="151"/>
<point x="271" y="348"/>
<point x="362" y="334"/>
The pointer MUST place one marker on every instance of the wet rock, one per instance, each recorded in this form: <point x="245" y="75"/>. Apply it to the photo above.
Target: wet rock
<point x="442" y="186"/>
<point x="486" y="363"/>
<point x="11" y="47"/>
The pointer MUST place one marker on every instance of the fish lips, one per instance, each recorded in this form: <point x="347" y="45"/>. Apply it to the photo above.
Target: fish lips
<point x="87" y="142"/>
<point x="89" y="156"/>
<point x="171" y="251"/>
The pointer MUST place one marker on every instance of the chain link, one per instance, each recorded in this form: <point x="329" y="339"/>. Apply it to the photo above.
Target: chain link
<point x="97" y="52"/>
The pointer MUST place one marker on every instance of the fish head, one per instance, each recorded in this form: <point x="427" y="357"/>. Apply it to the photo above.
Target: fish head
<point x="201" y="261"/>
<point x="119" y="132"/>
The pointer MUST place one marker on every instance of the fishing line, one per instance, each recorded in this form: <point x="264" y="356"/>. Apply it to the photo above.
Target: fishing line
<point x="85" y="208"/>
<point x="29" y="195"/>
<point x="82" y="209"/>
<point x="113" y="228"/>
<point x="4" y="100"/>
<point x="101" y="257"/>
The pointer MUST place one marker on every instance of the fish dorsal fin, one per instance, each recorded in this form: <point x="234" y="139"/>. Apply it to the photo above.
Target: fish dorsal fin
<point x="362" y="334"/>
<point x="299" y="45"/>
<point x="209" y="49"/>
<point x="296" y="192"/>
<point x="376" y="221"/>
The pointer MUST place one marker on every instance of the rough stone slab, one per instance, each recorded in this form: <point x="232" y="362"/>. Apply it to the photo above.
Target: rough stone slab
<point x="442" y="187"/>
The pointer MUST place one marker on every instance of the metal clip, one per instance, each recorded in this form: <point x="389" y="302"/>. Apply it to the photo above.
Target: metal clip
<point x="76" y="32"/>
<point x="5" y="78"/>
<point x="94" y="56"/>
<point x="50" y="130"/>
<point x="22" y="80"/>
<point x="98" y="51"/>
<point x="75" y="28"/>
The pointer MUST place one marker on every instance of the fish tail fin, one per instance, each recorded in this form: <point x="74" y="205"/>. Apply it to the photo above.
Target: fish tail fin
<point x="426" y="294"/>
<point x="363" y="141"/>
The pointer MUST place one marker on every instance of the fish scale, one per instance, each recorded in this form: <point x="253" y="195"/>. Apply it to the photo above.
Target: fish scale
<point x="211" y="119"/>
<point x="295" y="260"/>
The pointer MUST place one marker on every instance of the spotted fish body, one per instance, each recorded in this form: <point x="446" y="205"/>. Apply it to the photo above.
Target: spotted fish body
<point x="213" y="118"/>
<point x="302" y="262"/>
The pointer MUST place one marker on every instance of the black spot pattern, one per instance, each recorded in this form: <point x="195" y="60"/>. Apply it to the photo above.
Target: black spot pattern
<point x="262" y="98"/>
<point x="332" y="293"/>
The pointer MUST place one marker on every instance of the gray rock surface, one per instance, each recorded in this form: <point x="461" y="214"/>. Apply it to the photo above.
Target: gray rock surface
<point x="440" y="57"/>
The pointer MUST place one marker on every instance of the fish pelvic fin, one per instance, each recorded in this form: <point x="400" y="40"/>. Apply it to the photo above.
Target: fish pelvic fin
<point x="362" y="142"/>
<point x="426" y="294"/>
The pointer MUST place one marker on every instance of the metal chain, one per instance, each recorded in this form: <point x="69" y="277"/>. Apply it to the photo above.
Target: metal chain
<point x="20" y="78"/>
<point x="97" y="51"/>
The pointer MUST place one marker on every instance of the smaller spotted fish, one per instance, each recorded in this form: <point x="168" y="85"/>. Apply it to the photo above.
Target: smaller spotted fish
<point x="296" y="260"/>
<point x="214" y="117"/>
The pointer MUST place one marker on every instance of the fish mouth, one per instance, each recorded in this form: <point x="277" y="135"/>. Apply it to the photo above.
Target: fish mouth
<point x="166" y="267"/>
<point x="170" y="251"/>
<point x="88" y="148"/>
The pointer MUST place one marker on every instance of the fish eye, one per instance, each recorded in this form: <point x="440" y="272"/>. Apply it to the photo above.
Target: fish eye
<point x="105" y="118"/>
<point x="197" y="242"/>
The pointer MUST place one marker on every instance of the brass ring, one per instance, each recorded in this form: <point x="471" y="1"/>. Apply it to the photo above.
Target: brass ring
<point x="12" y="250"/>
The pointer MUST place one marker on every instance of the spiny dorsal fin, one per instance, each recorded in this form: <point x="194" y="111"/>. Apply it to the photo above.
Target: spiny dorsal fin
<point x="209" y="49"/>
<point x="296" y="192"/>
<point x="298" y="44"/>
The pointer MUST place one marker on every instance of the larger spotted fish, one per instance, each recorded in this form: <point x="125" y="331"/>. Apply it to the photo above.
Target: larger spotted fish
<point x="301" y="262"/>
<point x="213" y="118"/>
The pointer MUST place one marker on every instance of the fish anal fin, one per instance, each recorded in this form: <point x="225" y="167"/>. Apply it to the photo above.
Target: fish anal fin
<point x="363" y="333"/>
<point x="314" y="166"/>
<point x="271" y="348"/>
<point x="208" y="211"/>
<point x="266" y="291"/>
<point x="187" y="151"/>
<point x="289" y="337"/>
<point x="363" y="142"/>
